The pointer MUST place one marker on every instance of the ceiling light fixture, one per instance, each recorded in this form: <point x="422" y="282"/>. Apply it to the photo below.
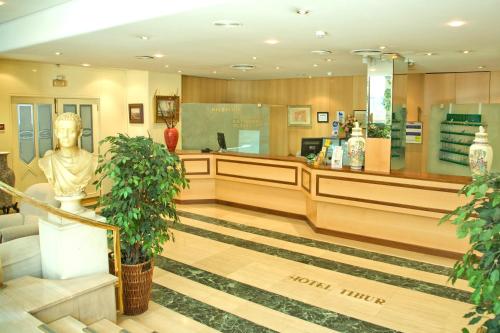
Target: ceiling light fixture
<point x="382" y="47"/>
<point x="2" y="3"/>
<point x="33" y="70"/>
<point x="315" y="65"/>
<point x="302" y="11"/>
<point x="166" y="66"/>
<point x="254" y="58"/>
<point x="465" y="51"/>
<point x="309" y="77"/>
<point x="227" y="24"/>
<point x="456" y="23"/>
<point x="277" y="67"/>
<point x="271" y="41"/>
<point x="481" y="67"/>
<point x="58" y="53"/>
<point x="144" y="57"/>
<point x="86" y="65"/>
<point x="321" y="33"/>
<point x="328" y="60"/>
<point x="429" y="54"/>
<point x="329" y="73"/>
<point x="214" y="72"/>
<point x="179" y="71"/>
<point x="144" y="37"/>
<point x="158" y="55"/>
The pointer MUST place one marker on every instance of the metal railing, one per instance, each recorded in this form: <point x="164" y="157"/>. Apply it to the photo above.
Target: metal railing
<point x="83" y="220"/>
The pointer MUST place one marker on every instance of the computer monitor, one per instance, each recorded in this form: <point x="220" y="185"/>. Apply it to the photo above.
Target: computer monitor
<point x="311" y="146"/>
<point x="222" y="141"/>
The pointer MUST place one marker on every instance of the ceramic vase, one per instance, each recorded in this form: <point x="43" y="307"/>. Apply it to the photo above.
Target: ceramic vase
<point x="480" y="154"/>
<point x="356" y="148"/>
<point x="6" y="176"/>
<point x="171" y="136"/>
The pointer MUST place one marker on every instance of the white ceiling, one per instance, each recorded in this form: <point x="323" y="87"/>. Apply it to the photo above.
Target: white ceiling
<point x="13" y="9"/>
<point x="192" y="44"/>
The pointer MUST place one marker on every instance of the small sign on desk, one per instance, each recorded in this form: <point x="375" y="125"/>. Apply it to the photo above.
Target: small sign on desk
<point x="2" y="127"/>
<point x="414" y="132"/>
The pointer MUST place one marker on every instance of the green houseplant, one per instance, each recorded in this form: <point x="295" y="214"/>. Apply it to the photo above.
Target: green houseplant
<point x="145" y="178"/>
<point x="479" y="220"/>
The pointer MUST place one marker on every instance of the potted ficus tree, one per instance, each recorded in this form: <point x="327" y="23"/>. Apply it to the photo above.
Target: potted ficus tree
<point x="479" y="220"/>
<point x="145" y="178"/>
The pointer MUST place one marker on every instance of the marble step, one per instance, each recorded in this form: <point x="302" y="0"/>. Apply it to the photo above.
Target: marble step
<point x="135" y="327"/>
<point x="67" y="324"/>
<point x="105" y="326"/>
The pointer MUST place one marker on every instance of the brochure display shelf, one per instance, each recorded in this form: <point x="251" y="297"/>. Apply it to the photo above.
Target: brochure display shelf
<point x="457" y="134"/>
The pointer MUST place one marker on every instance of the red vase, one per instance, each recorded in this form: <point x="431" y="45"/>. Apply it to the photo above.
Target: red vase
<point x="171" y="136"/>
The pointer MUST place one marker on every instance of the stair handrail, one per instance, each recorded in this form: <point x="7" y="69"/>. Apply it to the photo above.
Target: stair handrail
<point x="82" y="220"/>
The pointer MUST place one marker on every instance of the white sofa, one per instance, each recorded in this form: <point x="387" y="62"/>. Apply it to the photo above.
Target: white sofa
<point x="25" y="223"/>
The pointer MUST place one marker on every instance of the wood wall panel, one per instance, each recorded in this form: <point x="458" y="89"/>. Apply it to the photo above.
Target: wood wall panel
<point x="472" y="87"/>
<point x="495" y="87"/>
<point x="359" y="92"/>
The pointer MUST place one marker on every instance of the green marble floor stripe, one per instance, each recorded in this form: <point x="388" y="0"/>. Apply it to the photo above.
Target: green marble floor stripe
<point x="370" y="274"/>
<point x="204" y="313"/>
<point x="286" y="305"/>
<point x="403" y="262"/>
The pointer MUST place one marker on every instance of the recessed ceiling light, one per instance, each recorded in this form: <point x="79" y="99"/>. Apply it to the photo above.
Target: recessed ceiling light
<point x="179" y="71"/>
<point x="214" y="72"/>
<point x="277" y="67"/>
<point x="2" y="3"/>
<point x="58" y="53"/>
<point x="302" y="11"/>
<point x="465" y="51"/>
<point x="382" y="47"/>
<point x="271" y="41"/>
<point x="254" y="58"/>
<point x="373" y="69"/>
<point x="227" y="23"/>
<point x="144" y="37"/>
<point x="158" y="55"/>
<point x="329" y="73"/>
<point x="309" y="77"/>
<point x="166" y="66"/>
<point x="481" y="67"/>
<point x="233" y="78"/>
<point x="321" y="33"/>
<point x="456" y="23"/>
<point x="86" y="65"/>
<point x="144" y="57"/>
<point x="33" y="70"/>
<point x="328" y="60"/>
<point x="429" y="54"/>
<point x="315" y="65"/>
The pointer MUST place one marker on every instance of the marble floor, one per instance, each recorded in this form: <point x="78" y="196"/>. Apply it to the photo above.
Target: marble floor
<point x="234" y="270"/>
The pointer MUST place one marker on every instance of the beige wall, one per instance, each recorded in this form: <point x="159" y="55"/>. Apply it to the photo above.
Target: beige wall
<point x="115" y="89"/>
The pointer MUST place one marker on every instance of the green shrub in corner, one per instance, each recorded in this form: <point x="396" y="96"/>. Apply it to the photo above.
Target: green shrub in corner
<point x="145" y="179"/>
<point x="480" y="221"/>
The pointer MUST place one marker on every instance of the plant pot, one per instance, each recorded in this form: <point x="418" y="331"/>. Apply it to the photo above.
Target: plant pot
<point x="137" y="281"/>
<point x="378" y="155"/>
<point x="171" y="136"/>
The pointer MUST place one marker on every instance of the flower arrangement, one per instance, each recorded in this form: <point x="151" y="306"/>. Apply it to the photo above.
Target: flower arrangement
<point x="348" y="125"/>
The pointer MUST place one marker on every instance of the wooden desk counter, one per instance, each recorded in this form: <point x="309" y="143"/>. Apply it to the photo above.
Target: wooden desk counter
<point x="397" y="209"/>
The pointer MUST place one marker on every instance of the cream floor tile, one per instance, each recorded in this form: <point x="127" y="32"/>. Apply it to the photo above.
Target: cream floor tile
<point x="272" y="274"/>
<point x="351" y="260"/>
<point x="256" y="313"/>
<point x="301" y="228"/>
<point x="164" y="320"/>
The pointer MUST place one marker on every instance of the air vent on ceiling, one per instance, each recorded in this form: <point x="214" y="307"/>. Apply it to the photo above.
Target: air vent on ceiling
<point x="243" y="67"/>
<point x="228" y="24"/>
<point x="144" y="57"/>
<point x="321" y="52"/>
<point x="367" y="52"/>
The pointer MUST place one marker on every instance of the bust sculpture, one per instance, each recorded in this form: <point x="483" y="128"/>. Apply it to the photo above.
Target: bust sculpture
<point x="68" y="169"/>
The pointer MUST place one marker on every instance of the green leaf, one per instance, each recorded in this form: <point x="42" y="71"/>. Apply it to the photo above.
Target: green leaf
<point x="464" y="330"/>
<point x="494" y="277"/>
<point x="475" y="320"/>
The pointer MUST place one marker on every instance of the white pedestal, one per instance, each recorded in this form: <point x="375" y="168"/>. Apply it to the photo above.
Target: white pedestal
<point x="70" y="250"/>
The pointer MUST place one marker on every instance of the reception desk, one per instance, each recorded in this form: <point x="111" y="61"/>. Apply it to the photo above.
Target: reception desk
<point x="399" y="210"/>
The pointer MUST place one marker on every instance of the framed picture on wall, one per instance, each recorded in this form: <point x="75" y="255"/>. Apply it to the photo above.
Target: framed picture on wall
<point x="167" y="109"/>
<point x="136" y="113"/>
<point x="322" y="117"/>
<point x="299" y="115"/>
<point x="360" y="116"/>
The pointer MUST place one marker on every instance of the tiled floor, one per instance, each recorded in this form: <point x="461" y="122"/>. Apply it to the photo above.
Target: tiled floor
<point x="234" y="270"/>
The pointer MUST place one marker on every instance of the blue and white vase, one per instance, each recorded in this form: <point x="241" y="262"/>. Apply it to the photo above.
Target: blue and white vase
<point x="480" y="154"/>
<point x="356" y="148"/>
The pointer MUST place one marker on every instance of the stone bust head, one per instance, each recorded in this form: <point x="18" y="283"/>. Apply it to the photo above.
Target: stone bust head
<point x="68" y="169"/>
